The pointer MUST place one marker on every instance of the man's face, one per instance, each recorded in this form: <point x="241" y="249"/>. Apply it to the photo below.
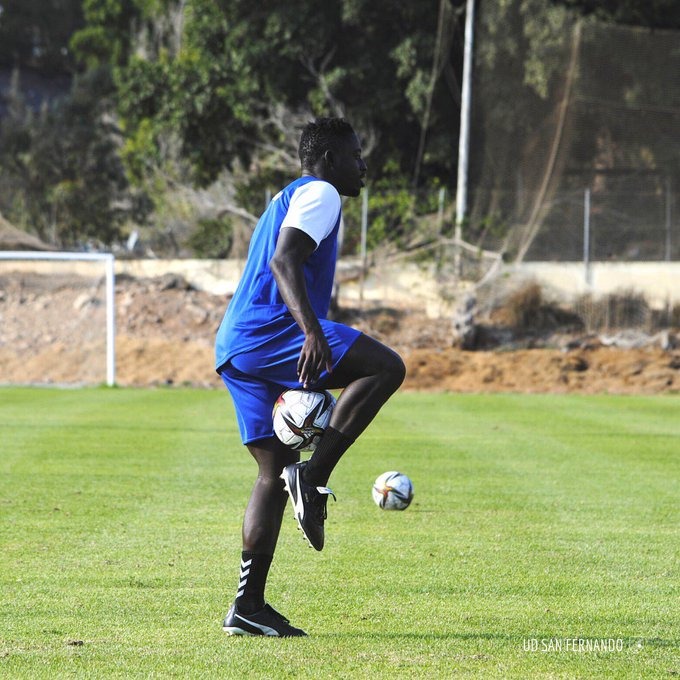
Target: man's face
<point x="346" y="168"/>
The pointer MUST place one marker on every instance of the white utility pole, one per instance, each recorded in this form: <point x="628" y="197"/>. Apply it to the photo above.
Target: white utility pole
<point x="464" y="134"/>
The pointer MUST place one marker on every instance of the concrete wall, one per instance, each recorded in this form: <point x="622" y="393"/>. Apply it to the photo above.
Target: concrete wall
<point x="659" y="282"/>
<point x="405" y="282"/>
<point x="219" y="277"/>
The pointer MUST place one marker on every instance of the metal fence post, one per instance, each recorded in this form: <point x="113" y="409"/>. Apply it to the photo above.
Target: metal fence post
<point x="669" y="210"/>
<point x="586" y="237"/>
<point x="364" y="234"/>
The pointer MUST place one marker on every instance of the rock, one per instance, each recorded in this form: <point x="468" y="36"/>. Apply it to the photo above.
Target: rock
<point x="576" y="363"/>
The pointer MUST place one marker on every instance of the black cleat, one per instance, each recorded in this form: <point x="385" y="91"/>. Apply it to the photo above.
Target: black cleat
<point x="309" y="503"/>
<point x="265" y="622"/>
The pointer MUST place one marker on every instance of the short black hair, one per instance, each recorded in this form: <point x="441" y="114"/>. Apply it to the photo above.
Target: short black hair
<point x="320" y="135"/>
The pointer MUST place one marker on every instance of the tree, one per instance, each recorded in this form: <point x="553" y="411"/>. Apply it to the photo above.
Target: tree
<point x="213" y="74"/>
<point x="561" y="99"/>
<point x="207" y="87"/>
<point x="197" y="92"/>
<point x="521" y="67"/>
<point x="647" y="13"/>
<point x="370" y="61"/>
<point x="69" y="184"/>
<point x="35" y="34"/>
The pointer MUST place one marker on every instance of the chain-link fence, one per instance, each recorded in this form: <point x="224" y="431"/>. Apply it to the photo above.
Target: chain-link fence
<point x="611" y="217"/>
<point x="575" y="155"/>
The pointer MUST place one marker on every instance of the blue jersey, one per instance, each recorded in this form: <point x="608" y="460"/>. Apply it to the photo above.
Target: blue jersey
<point x="257" y="313"/>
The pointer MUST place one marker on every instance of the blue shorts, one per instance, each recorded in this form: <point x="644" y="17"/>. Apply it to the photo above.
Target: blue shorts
<point x="255" y="379"/>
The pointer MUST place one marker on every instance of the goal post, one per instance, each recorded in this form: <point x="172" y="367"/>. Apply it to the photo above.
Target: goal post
<point x="109" y="262"/>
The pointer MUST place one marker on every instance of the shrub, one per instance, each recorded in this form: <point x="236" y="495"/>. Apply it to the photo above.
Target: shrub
<point x="212" y="238"/>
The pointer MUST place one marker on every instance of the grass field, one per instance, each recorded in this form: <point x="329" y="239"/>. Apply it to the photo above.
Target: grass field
<point x="541" y="526"/>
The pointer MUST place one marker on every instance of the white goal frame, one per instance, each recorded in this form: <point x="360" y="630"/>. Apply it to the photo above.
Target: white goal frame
<point x="109" y="261"/>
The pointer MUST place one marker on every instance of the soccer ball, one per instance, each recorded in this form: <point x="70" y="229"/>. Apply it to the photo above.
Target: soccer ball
<point x="301" y="417"/>
<point x="393" y="491"/>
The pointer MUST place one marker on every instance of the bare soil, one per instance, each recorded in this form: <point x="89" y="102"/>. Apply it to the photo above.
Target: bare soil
<point x="51" y="331"/>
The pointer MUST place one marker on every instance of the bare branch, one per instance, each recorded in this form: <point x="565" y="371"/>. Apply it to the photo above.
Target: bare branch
<point x="319" y="75"/>
<point x="239" y="212"/>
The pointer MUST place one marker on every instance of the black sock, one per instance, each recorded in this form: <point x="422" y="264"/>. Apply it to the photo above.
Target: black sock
<point x="325" y="457"/>
<point x="252" y="579"/>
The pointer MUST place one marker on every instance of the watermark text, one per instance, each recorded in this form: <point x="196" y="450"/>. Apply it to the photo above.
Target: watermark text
<point x="572" y="645"/>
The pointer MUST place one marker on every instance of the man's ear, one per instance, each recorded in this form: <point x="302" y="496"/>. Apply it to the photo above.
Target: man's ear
<point x="328" y="158"/>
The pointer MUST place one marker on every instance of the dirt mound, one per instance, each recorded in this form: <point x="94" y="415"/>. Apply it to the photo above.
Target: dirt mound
<point x="598" y="370"/>
<point x="51" y="331"/>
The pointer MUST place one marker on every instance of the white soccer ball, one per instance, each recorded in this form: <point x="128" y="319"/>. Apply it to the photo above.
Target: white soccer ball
<point x="301" y="417"/>
<point x="393" y="491"/>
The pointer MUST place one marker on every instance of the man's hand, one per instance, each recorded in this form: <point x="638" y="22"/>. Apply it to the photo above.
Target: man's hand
<point x="314" y="357"/>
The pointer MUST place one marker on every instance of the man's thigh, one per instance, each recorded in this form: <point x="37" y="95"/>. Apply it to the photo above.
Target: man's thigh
<point x="276" y="360"/>
<point x="366" y="357"/>
<point x="253" y="403"/>
<point x="256" y="378"/>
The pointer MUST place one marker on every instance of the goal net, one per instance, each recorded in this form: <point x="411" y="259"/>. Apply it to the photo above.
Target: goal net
<point x="57" y="323"/>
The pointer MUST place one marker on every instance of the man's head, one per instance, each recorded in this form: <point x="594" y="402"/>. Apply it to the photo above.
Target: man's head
<point x="330" y="150"/>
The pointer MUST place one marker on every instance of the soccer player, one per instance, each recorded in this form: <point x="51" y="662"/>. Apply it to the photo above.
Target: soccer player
<point x="275" y="336"/>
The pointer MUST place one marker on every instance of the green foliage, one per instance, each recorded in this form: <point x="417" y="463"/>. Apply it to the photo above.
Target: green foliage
<point x="35" y="34"/>
<point x="391" y="215"/>
<point x="255" y="186"/>
<point x="64" y="167"/>
<point x="108" y="34"/>
<point x="212" y="238"/>
<point x="238" y="60"/>
<point x="650" y="13"/>
<point x="197" y="84"/>
<point x="398" y="216"/>
<point x="201" y="96"/>
<point x="490" y="229"/>
<point x="524" y="41"/>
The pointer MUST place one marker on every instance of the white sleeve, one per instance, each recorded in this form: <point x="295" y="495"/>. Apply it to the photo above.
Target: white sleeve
<point x="314" y="208"/>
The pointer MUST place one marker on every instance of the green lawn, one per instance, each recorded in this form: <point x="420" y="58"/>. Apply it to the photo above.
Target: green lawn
<point x="539" y="523"/>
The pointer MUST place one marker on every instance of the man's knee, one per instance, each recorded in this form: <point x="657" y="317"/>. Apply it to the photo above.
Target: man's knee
<point x="272" y="456"/>
<point x="369" y="358"/>
<point x="389" y="368"/>
<point x="395" y="370"/>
